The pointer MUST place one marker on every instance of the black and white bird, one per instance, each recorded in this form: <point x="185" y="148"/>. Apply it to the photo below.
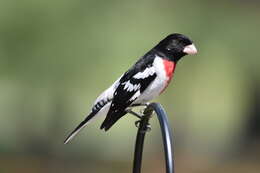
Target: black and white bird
<point x="144" y="81"/>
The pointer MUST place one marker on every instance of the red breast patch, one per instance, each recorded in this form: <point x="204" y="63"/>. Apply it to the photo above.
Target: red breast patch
<point x="169" y="67"/>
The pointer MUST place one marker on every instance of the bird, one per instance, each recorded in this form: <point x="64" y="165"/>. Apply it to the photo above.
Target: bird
<point x="144" y="81"/>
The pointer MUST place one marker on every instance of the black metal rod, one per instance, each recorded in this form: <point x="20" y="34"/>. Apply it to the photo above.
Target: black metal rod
<point x="166" y="136"/>
<point x="139" y="143"/>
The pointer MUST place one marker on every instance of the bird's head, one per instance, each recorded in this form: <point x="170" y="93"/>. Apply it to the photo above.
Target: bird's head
<point x="175" y="46"/>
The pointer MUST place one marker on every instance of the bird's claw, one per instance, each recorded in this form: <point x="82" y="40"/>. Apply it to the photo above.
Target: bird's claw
<point x="143" y="112"/>
<point x="137" y="123"/>
<point x="148" y="127"/>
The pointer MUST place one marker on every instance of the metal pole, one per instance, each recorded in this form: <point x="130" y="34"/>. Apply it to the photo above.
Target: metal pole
<point x="166" y="136"/>
<point x="139" y="143"/>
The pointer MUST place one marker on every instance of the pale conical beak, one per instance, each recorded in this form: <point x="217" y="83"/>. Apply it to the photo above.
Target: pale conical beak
<point x="190" y="49"/>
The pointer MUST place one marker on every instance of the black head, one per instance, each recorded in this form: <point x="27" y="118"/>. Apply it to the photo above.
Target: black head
<point x="175" y="46"/>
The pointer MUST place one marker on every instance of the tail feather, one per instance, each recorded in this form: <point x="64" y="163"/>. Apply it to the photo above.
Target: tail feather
<point x="79" y="127"/>
<point x="111" y="120"/>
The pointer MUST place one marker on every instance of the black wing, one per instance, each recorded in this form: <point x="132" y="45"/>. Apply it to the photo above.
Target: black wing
<point x="131" y="85"/>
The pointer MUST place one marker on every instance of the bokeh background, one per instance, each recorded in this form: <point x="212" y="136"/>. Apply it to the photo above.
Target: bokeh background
<point x="57" y="56"/>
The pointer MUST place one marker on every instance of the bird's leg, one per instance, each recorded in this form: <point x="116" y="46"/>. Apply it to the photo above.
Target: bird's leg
<point x="134" y="113"/>
<point x="144" y="113"/>
<point x="129" y="110"/>
<point x="136" y="105"/>
<point x="140" y="104"/>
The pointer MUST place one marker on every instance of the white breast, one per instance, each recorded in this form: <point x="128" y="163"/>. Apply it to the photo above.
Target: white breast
<point x="157" y="86"/>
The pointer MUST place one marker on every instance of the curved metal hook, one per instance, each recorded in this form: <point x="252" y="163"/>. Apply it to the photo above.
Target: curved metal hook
<point x="166" y="136"/>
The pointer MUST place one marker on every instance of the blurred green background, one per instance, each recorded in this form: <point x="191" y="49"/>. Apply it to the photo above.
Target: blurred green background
<point x="57" y="56"/>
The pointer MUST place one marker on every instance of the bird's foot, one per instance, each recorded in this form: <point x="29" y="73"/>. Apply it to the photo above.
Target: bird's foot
<point x="147" y="128"/>
<point x="143" y="112"/>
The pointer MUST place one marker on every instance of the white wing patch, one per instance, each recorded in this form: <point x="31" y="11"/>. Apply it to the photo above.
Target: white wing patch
<point x="136" y="95"/>
<point x="131" y="87"/>
<point x="128" y="86"/>
<point x="144" y="74"/>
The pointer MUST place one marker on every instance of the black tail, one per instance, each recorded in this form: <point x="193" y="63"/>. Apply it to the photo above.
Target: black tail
<point x="79" y="127"/>
<point x="111" y="120"/>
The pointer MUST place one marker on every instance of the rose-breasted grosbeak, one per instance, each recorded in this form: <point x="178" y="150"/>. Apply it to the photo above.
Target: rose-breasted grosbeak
<point x="145" y="80"/>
